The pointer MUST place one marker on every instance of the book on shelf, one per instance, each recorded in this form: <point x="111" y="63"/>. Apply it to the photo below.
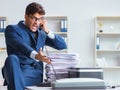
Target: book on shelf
<point x="63" y="25"/>
<point x="2" y="24"/>
<point x="98" y="43"/>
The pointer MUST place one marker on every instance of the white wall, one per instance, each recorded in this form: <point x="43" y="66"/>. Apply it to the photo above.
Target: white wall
<point x="80" y="14"/>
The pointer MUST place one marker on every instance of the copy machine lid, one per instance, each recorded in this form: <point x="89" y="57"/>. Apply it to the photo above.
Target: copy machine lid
<point x="79" y="83"/>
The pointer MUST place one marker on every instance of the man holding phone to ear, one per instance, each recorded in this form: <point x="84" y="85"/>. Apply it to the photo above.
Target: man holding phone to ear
<point x="25" y="42"/>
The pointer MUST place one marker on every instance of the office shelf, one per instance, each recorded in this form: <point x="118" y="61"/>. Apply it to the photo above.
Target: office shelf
<point x="107" y="42"/>
<point x="3" y="53"/>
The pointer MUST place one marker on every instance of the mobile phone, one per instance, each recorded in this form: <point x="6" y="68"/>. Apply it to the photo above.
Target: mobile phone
<point x="41" y="26"/>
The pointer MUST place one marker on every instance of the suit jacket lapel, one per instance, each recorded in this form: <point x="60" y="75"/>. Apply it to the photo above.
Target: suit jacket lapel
<point x="22" y="25"/>
<point x="40" y="39"/>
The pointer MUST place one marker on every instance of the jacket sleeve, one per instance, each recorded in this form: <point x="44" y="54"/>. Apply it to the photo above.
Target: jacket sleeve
<point x="58" y="42"/>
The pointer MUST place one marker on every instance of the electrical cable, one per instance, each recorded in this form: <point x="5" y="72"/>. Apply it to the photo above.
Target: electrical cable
<point x="51" y="63"/>
<point x="48" y="54"/>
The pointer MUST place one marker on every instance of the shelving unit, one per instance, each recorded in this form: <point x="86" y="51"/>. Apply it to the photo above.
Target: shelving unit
<point x="107" y="41"/>
<point x="3" y="53"/>
<point x="2" y="23"/>
<point x="107" y="47"/>
<point x="2" y="46"/>
<point x="55" y="24"/>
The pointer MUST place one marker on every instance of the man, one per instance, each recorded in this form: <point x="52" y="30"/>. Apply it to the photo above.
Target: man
<point x="25" y="41"/>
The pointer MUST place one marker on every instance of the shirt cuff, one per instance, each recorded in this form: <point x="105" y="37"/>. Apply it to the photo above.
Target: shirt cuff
<point x="33" y="54"/>
<point x="51" y="35"/>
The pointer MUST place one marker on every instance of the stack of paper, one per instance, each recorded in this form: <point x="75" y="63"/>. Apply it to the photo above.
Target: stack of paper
<point x="60" y="64"/>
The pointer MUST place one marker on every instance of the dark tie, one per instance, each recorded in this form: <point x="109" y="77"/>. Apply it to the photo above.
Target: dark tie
<point x="35" y="35"/>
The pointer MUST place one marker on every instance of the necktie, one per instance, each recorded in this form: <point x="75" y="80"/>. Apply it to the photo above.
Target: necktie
<point x="35" y="35"/>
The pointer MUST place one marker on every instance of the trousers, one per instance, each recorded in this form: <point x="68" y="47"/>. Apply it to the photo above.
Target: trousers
<point x="17" y="76"/>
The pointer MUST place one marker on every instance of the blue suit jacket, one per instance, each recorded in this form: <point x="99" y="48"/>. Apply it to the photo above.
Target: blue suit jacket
<point x="20" y="41"/>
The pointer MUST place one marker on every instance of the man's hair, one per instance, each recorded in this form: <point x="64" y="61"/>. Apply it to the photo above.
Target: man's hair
<point x="33" y="8"/>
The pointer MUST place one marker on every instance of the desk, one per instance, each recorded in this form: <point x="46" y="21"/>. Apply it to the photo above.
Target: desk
<point x="50" y="88"/>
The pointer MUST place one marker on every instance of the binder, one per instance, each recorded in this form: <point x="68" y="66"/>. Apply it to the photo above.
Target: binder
<point x="98" y="42"/>
<point x="64" y="25"/>
<point x="2" y="23"/>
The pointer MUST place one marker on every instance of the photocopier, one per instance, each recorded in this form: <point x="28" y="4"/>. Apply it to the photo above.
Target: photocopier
<point x="81" y="78"/>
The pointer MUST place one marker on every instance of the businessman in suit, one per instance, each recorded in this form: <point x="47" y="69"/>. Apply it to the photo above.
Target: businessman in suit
<point x="25" y="42"/>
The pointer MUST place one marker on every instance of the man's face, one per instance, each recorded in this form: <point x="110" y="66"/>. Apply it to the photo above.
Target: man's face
<point x="33" y="21"/>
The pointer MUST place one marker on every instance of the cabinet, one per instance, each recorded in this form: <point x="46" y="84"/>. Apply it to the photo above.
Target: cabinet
<point x="3" y="53"/>
<point x="107" y="41"/>
<point x="59" y="25"/>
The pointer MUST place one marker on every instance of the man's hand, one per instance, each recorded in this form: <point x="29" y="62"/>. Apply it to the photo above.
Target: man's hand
<point x="41" y="57"/>
<point x="44" y="26"/>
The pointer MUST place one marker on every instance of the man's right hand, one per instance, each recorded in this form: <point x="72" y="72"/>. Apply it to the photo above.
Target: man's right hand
<point x="41" y="57"/>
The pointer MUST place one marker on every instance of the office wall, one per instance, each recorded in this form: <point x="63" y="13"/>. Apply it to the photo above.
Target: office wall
<point x="80" y="14"/>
